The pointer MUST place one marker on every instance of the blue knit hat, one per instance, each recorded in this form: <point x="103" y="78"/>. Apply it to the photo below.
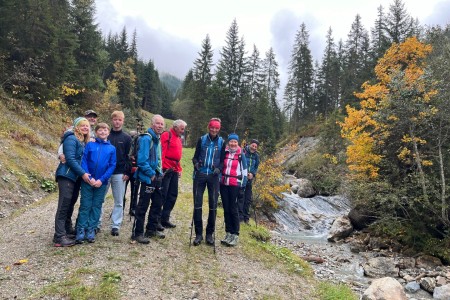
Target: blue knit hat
<point x="78" y="120"/>
<point x="233" y="136"/>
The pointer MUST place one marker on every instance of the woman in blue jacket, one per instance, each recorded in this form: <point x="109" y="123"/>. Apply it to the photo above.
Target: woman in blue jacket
<point x="99" y="160"/>
<point x="69" y="175"/>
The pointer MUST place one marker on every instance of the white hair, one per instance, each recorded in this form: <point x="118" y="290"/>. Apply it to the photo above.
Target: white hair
<point x="178" y="123"/>
<point x="156" y="117"/>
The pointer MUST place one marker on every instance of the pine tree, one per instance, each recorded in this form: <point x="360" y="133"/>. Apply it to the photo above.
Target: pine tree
<point x="299" y="89"/>
<point x="399" y="24"/>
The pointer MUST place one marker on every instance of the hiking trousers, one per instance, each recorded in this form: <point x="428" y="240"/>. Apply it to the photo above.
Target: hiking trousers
<point x="229" y="195"/>
<point x="201" y="182"/>
<point x="118" y="191"/>
<point x="170" y="194"/>
<point x="147" y="193"/>
<point x="91" y="202"/>
<point x="68" y="195"/>
<point x="245" y="201"/>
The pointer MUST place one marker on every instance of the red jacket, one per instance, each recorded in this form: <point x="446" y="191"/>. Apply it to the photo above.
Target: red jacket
<point x="172" y="149"/>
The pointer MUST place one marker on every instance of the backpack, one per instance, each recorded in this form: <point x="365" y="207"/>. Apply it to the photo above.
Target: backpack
<point x="134" y="149"/>
<point x="219" y="142"/>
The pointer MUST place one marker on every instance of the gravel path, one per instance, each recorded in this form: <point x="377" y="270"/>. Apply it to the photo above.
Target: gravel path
<point x="164" y="269"/>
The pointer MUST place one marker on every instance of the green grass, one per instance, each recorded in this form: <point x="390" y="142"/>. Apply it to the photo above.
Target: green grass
<point x="329" y="291"/>
<point x="105" y="287"/>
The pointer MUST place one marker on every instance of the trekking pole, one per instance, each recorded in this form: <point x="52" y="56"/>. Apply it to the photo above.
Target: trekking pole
<point x="193" y="210"/>
<point x="216" y="199"/>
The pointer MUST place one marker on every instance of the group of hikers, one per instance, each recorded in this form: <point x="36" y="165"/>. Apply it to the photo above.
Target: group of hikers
<point x="94" y="157"/>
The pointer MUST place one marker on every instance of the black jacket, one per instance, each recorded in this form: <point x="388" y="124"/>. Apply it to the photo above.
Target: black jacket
<point x="122" y="142"/>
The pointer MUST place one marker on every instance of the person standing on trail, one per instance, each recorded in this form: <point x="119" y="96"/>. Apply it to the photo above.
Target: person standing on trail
<point x="122" y="142"/>
<point x="99" y="160"/>
<point x="245" y="197"/>
<point x="172" y="150"/>
<point x="207" y="169"/>
<point x="149" y="173"/>
<point x="234" y="178"/>
<point x="69" y="176"/>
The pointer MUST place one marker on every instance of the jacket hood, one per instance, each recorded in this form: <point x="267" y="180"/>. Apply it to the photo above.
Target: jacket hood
<point x="153" y="134"/>
<point x="102" y="141"/>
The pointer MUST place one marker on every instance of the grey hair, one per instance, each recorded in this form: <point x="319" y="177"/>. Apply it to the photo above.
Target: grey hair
<point x="156" y="117"/>
<point x="178" y="123"/>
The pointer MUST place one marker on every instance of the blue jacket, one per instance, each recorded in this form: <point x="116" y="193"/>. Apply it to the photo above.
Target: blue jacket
<point x="207" y="154"/>
<point x="252" y="160"/>
<point x="73" y="151"/>
<point x="99" y="160"/>
<point x="148" y="157"/>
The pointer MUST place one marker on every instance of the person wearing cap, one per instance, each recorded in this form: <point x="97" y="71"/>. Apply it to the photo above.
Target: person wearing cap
<point x="207" y="169"/>
<point x="234" y="177"/>
<point x="122" y="142"/>
<point x="68" y="176"/>
<point x="245" y="196"/>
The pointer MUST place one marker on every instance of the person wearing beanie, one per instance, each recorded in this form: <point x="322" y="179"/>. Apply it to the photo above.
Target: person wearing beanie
<point x="207" y="170"/>
<point x="68" y="176"/>
<point x="246" y="195"/>
<point x="234" y="177"/>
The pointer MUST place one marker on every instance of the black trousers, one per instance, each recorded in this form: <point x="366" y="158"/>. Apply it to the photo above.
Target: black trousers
<point x="202" y="181"/>
<point x="134" y="189"/>
<point x="229" y="196"/>
<point x="147" y="192"/>
<point x="68" y="196"/>
<point x="245" y="201"/>
<point x="170" y="194"/>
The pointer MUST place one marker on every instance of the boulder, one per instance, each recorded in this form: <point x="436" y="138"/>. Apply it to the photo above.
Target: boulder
<point x="412" y="287"/>
<point x="386" y="288"/>
<point x="442" y="292"/>
<point x="380" y="266"/>
<point x="340" y="229"/>
<point x="360" y="217"/>
<point x="305" y="188"/>
<point x="428" y="284"/>
<point x="427" y="261"/>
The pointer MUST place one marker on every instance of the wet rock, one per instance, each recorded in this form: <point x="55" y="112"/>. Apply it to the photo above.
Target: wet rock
<point x="360" y="217"/>
<point x="380" y="266"/>
<point x="412" y="287"/>
<point x="340" y="229"/>
<point x="428" y="284"/>
<point x="442" y="292"/>
<point x="386" y="288"/>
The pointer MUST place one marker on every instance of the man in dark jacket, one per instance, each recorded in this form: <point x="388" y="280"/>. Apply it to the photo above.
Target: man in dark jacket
<point x="122" y="141"/>
<point x="245" y="196"/>
<point x="207" y="168"/>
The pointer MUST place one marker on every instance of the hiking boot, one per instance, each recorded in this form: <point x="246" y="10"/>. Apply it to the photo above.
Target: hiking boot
<point x="64" y="241"/>
<point x="90" y="235"/>
<point x="156" y="234"/>
<point x="142" y="239"/>
<point x="233" y="241"/>
<point x="97" y="230"/>
<point x="198" y="239"/>
<point x="209" y="239"/>
<point x="81" y="234"/>
<point x="115" y="231"/>
<point x="226" y="239"/>
<point x="159" y="227"/>
<point x="168" y="224"/>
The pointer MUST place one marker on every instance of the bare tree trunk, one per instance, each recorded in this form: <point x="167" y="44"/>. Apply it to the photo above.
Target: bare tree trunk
<point x="419" y="163"/>
<point x="444" y="210"/>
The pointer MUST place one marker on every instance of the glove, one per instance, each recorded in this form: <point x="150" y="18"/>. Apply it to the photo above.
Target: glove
<point x="196" y="166"/>
<point x="216" y="171"/>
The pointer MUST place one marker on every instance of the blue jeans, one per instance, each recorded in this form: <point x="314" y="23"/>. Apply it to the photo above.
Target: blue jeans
<point x="118" y="190"/>
<point x="91" y="202"/>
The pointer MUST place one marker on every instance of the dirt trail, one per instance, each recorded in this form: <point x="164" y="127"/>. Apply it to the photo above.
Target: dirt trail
<point x="164" y="269"/>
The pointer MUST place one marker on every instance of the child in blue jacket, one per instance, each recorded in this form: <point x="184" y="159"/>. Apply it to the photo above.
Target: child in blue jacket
<point x="99" y="160"/>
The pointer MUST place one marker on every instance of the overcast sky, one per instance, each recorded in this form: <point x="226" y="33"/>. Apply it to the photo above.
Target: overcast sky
<point x="170" y="32"/>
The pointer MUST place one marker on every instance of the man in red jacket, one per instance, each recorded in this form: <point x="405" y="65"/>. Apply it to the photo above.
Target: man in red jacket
<point x="172" y="149"/>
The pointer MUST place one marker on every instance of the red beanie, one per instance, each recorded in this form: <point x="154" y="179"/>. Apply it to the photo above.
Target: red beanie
<point x="214" y="123"/>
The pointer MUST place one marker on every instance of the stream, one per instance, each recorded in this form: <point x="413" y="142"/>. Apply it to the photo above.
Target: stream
<point x="303" y="226"/>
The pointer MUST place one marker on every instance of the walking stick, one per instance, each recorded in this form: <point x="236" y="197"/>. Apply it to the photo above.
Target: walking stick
<point x="215" y="210"/>
<point x="193" y="209"/>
